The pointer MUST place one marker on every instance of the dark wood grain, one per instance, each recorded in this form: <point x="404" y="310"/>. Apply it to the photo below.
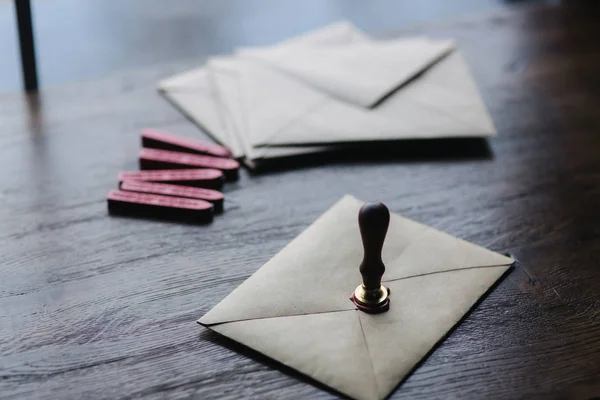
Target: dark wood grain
<point x="98" y="307"/>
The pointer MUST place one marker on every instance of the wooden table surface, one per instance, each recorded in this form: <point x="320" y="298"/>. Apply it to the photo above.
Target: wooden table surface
<point x="93" y="306"/>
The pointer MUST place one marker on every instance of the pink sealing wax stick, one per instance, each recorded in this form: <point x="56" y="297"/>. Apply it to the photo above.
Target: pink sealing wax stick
<point x="205" y="178"/>
<point x="166" y="159"/>
<point x="212" y="196"/>
<point x="157" y="139"/>
<point x="155" y="206"/>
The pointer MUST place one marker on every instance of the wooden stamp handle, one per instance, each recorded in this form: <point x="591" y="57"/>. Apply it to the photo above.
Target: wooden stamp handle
<point x="373" y="220"/>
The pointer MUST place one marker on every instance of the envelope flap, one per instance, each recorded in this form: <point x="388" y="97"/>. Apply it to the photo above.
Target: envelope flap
<point x="305" y="276"/>
<point x="442" y="102"/>
<point x="315" y="346"/>
<point x="423" y="310"/>
<point x="433" y="251"/>
<point x="316" y="272"/>
<point x="362" y="73"/>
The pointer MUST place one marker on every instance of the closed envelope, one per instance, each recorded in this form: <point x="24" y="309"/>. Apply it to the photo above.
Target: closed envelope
<point x="437" y="97"/>
<point x="296" y="308"/>
<point x="361" y="72"/>
<point x="332" y="87"/>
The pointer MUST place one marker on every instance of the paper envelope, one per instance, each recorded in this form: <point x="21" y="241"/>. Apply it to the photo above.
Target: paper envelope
<point x="424" y="90"/>
<point x="296" y="308"/>
<point x="331" y="87"/>
<point x="362" y="71"/>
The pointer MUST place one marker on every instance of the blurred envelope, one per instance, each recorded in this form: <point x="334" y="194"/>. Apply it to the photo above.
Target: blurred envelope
<point x="296" y="308"/>
<point x="423" y="89"/>
<point x="360" y="72"/>
<point x="328" y="88"/>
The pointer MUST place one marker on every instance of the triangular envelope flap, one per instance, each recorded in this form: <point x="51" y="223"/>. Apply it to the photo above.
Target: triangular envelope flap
<point x="443" y="102"/>
<point x="328" y="347"/>
<point x="422" y="310"/>
<point x="433" y="251"/>
<point x="447" y="87"/>
<point x="337" y="122"/>
<point x="316" y="272"/>
<point x="361" y="73"/>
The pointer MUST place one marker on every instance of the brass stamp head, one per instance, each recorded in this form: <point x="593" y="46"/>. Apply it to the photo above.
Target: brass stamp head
<point x="371" y="296"/>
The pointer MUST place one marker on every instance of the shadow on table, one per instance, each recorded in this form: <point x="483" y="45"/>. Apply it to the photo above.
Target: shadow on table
<point x="161" y="218"/>
<point x="405" y="151"/>
<point x="246" y="351"/>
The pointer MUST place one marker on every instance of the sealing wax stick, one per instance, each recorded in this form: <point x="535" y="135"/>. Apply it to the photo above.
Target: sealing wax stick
<point x="212" y="196"/>
<point x="155" y="206"/>
<point x="205" y="178"/>
<point x="157" y="139"/>
<point x="166" y="159"/>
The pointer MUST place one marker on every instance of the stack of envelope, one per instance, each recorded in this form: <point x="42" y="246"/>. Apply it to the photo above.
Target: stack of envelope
<point x="328" y="88"/>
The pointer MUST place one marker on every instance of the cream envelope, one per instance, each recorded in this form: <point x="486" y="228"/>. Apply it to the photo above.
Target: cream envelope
<point x="440" y="101"/>
<point x="296" y="308"/>
<point x="309" y="93"/>
<point x="361" y="72"/>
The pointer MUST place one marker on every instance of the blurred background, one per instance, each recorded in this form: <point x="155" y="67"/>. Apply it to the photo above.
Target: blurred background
<point x="78" y="40"/>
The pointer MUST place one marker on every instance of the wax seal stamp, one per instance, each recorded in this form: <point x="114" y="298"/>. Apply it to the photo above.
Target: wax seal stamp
<point x="371" y="296"/>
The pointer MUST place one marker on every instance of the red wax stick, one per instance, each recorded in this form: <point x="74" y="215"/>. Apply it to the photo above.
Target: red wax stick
<point x="166" y="159"/>
<point x="212" y="196"/>
<point x="157" y="139"/>
<point x="206" y="178"/>
<point x="155" y="206"/>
